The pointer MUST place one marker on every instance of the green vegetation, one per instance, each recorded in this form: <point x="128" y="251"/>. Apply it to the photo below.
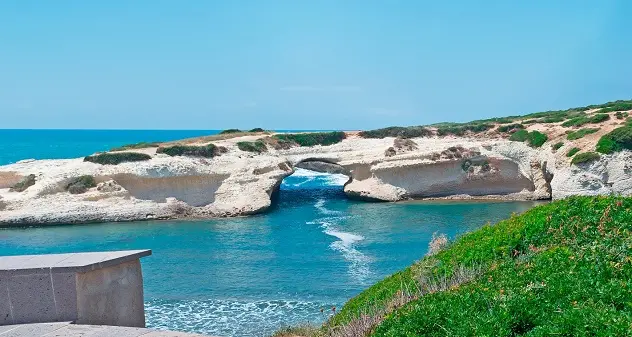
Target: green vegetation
<point x="617" y="106"/>
<point x="81" y="184"/>
<point x="585" y="157"/>
<point x="397" y="131"/>
<point x="580" y="133"/>
<point x="311" y="139"/>
<point x="23" y="184"/>
<point x="621" y="115"/>
<point x="572" y="152"/>
<point x="116" y="158"/>
<point x="557" y="146"/>
<point x="534" y="138"/>
<point x="510" y="127"/>
<point x="257" y="146"/>
<point x="558" y="269"/>
<point x="582" y="120"/>
<point x="227" y="131"/>
<point x="616" y="140"/>
<point x="206" y="151"/>
<point x="141" y="145"/>
<point x="461" y="129"/>
<point x="256" y="130"/>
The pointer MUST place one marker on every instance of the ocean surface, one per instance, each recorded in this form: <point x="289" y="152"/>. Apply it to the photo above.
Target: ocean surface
<point x="250" y="276"/>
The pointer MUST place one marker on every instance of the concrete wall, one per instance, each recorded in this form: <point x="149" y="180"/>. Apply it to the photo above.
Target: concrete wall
<point x="111" y="296"/>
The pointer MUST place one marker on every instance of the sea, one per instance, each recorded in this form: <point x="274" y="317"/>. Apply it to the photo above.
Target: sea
<point x="250" y="276"/>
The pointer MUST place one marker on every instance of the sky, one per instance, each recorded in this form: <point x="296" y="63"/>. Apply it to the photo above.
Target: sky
<point x="309" y="65"/>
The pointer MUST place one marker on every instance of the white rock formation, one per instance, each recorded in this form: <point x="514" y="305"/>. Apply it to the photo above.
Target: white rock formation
<point x="241" y="183"/>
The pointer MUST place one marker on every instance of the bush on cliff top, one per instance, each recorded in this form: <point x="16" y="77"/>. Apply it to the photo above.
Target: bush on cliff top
<point x="510" y="127"/>
<point x="227" y="131"/>
<point x="585" y="157"/>
<point x="311" y="138"/>
<point x="582" y="120"/>
<point x="558" y="269"/>
<point x="205" y="151"/>
<point x="616" y="140"/>
<point x="397" y="131"/>
<point x="460" y="130"/>
<point x="572" y="152"/>
<point x="23" y="184"/>
<point x="116" y="158"/>
<point x="141" y="145"/>
<point x="81" y="184"/>
<point x="533" y="138"/>
<point x="257" y="146"/>
<point x="580" y="133"/>
<point x="557" y="145"/>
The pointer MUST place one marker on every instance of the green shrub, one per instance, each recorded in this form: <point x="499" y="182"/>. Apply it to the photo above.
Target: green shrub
<point x="311" y="138"/>
<point x="116" y="158"/>
<point x="23" y="184"/>
<point x="585" y="157"/>
<point x="572" y="152"/>
<point x="557" y="146"/>
<point x="397" y="131"/>
<point x="617" y="140"/>
<point x="461" y="130"/>
<point x="582" y="120"/>
<point x="141" y="145"/>
<point x="227" y="131"/>
<point x="81" y="184"/>
<point x="206" y="151"/>
<point x="557" y="269"/>
<point x="510" y="127"/>
<point x="530" y="121"/>
<point x="520" y="136"/>
<point x="257" y="146"/>
<point x="619" y="106"/>
<point x="552" y="119"/>
<point x="257" y="130"/>
<point x="580" y="133"/>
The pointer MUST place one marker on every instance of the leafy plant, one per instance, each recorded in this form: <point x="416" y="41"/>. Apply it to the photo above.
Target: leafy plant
<point x="257" y="146"/>
<point x="582" y="120"/>
<point x="116" y="158"/>
<point x="461" y="130"/>
<point x="141" y="145"/>
<point x="206" y="151"/>
<point x="585" y="157"/>
<point x="580" y="133"/>
<point x="257" y="130"/>
<point x="311" y="138"/>
<point x="520" y="136"/>
<point x="227" y="131"/>
<point x="533" y="138"/>
<point x="510" y="127"/>
<point x="617" y="140"/>
<point x="557" y="145"/>
<point x="81" y="184"/>
<point x="397" y="131"/>
<point x="572" y="152"/>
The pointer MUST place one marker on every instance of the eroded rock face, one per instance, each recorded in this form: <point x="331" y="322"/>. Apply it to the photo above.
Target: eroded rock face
<point x="235" y="183"/>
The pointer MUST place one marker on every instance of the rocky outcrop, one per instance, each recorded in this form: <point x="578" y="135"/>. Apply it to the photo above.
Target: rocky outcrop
<point x="239" y="183"/>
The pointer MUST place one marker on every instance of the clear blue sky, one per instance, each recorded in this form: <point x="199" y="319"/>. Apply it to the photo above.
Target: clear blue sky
<point x="326" y="64"/>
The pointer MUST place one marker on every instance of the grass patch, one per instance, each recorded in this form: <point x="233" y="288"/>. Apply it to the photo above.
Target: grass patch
<point x="229" y="131"/>
<point x="23" y="184"/>
<point x="81" y="184"/>
<point x="583" y="120"/>
<point x="617" y="106"/>
<point x="585" y="157"/>
<point x="397" y="131"/>
<point x="141" y="145"/>
<point x="257" y="130"/>
<point x="311" y="138"/>
<point x="572" y="152"/>
<point x="533" y="138"/>
<point x="616" y="140"/>
<point x="205" y="151"/>
<point x="557" y="146"/>
<point x="510" y="127"/>
<point x="558" y="269"/>
<point x="116" y="158"/>
<point x="462" y="129"/>
<point x="257" y="146"/>
<point x="580" y="133"/>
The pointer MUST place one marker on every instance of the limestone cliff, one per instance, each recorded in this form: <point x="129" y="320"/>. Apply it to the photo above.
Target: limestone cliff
<point x="240" y="182"/>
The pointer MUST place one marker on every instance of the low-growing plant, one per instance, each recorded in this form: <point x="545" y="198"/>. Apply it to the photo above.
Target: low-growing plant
<point x="572" y="152"/>
<point x="311" y="138"/>
<point x="257" y="146"/>
<point x="227" y="131"/>
<point x="519" y="136"/>
<point x="141" y="145"/>
<point x="81" y="184"/>
<point x="206" y="151"/>
<point x="583" y="120"/>
<point x="116" y="158"/>
<point x="256" y="130"/>
<point x="397" y="131"/>
<point x="460" y="130"/>
<point x="533" y="138"/>
<point x="618" y="106"/>
<point x="585" y="157"/>
<point x="23" y="184"/>
<point x="557" y="146"/>
<point x="580" y="133"/>
<point x="616" y="140"/>
<point x="510" y="127"/>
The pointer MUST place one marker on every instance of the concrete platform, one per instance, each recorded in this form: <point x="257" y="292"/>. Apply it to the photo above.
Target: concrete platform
<point x="64" y="329"/>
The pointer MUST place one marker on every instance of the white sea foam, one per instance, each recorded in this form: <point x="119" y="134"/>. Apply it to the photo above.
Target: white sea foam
<point x="320" y="205"/>
<point x="326" y="179"/>
<point x="230" y="317"/>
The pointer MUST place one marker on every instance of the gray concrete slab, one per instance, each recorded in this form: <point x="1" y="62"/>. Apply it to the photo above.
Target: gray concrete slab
<point x="77" y="262"/>
<point x="39" y="329"/>
<point x="66" y="329"/>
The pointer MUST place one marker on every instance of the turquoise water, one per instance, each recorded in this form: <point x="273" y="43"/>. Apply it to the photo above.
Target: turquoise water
<point x="250" y="276"/>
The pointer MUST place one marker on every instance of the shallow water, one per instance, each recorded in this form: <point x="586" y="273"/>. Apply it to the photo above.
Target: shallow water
<point x="252" y="275"/>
